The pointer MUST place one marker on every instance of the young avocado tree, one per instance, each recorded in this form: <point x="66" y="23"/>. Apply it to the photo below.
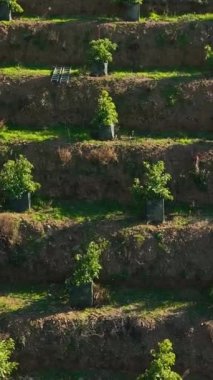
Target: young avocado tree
<point x="154" y="190"/>
<point x="100" y="54"/>
<point x="17" y="184"/>
<point x="106" y="117"/>
<point x="132" y="9"/>
<point x="87" y="268"/>
<point x="7" y="7"/>
<point x="6" y="366"/>
<point x="162" y="363"/>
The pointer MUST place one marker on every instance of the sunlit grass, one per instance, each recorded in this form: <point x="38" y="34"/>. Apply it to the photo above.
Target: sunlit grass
<point x="159" y="74"/>
<point x="18" y="135"/>
<point x="152" y="73"/>
<point x="30" y="71"/>
<point x="12" y="300"/>
<point x="63" y="20"/>
<point x="189" y="17"/>
<point x="21" y="71"/>
<point x="134" y="302"/>
<point x="73" y="134"/>
<point x="13" y="134"/>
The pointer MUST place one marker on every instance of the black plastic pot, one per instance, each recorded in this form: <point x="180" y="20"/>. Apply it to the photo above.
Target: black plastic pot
<point x="20" y="205"/>
<point x="132" y="12"/>
<point x="81" y="296"/>
<point x="155" y="211"/>
<point x="99" y="69"/>
<point x="5" y="12"/>
<point x="106" y="132"/>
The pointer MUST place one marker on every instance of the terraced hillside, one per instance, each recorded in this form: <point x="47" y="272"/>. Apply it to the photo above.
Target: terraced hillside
<point x="156" y="281"/>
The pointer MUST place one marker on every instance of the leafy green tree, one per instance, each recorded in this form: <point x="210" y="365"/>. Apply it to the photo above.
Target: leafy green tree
<point x="87" y="265"/>
<point x="14" y="6"/>
<point x="163" y="361"/>
<point x="106" y="113"/>
<point x="6" y="366"/>
<point x="154" y="183"/>
<point x="16" y="178"/>
<point x="101" y="50"/>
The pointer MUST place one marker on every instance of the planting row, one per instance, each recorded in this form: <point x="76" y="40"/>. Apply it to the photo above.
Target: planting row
<point x="111" y="8"/>
<point x="167" y="106"/>
<point x="95" y="171"/>
<point x="176" y="254"/>
<point x="119" y="338"/>
<point x="138" y="45"/>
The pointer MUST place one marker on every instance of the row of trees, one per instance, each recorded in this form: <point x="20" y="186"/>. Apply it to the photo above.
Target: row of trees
<point x="160" y="367"/>
<point x="132" y="9"/>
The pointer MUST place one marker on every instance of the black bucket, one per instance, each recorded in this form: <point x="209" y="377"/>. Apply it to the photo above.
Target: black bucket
<point x="99" y="69"/>
<point x="106" y="132"/>
<point x="155" y="211"/>
<point x="5" y="12"/>
<point x="81" y="296"/>
<point x="132" y="12"/>
<point x="20" y="205"/>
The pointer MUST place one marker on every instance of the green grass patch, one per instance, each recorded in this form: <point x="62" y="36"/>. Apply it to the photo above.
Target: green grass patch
<point x="87" y="211"/>
<point x="81" y="211"/>
<point x="15" y="299"/>
<point x="13" y="134"/>
<point x="21" y="71"/>
<point x="151" y="73"/>
<point x="78" y="211"/>
<point x="156" y="74"/>
<point x="189" y="17"/>
<point x="182" y="213"/>
<point x="29" y="71"/>
<point x="62" y="20"/>
<point x="17" y="134"/>
<point x="73" y="134"/>
<point x="164" y="138"/>
<point x="148" y="304"/>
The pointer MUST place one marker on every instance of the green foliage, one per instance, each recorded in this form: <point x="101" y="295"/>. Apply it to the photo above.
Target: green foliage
<point x="88" y="265"/>
<point x="173" y="95"/>
<point x="106" y="113"/>
<point x="15" y="7"/>
<point x="160" y="367"/>
<point x="6" y="366"/>
<point x="16" y="178"/>
<point x="101" y="50"/>
<point x="155" y="183"/>
<point x="209" y="56"/>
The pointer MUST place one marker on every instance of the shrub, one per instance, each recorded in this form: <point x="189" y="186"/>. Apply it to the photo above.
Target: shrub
<point x="106" y="113"/>
<point x="6" y="366"/>
<point x="87" y="265"/>
<point x="101" y="50"/>
<point x="15" y="7"/>
<point x="163" y="360"/>
<point x="16" y="178"/>
<point x="155" y="183"/>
